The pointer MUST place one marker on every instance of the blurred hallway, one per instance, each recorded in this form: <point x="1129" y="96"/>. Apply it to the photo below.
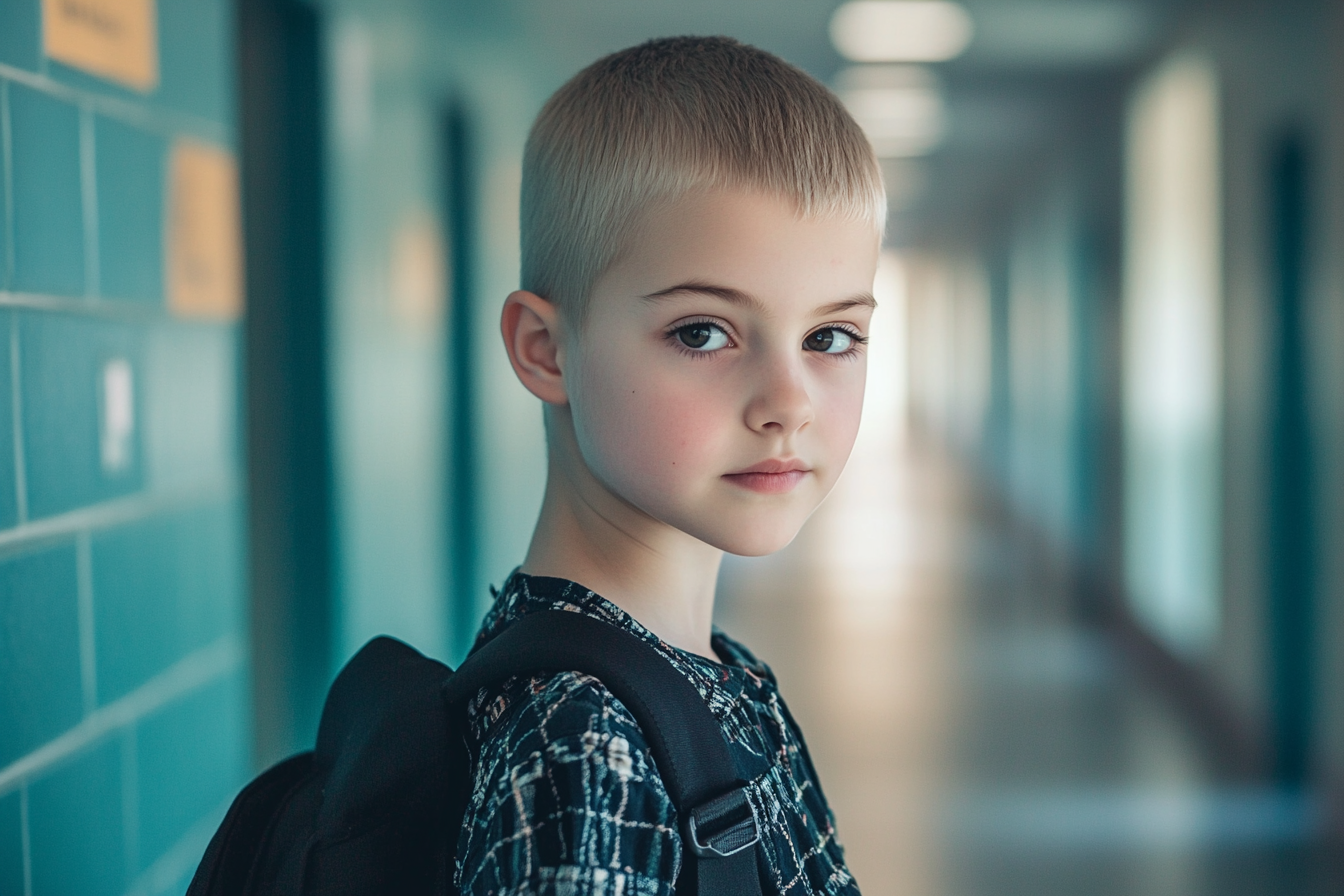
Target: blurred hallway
<point x="254" y="410"/>
<point x="975" y="733"/>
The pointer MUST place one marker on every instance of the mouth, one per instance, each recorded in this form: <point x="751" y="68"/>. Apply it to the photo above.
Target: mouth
<point x="770" y="477"/>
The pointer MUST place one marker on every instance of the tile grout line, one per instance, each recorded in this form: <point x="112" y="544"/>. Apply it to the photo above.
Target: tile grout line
<point x="88" y="189"/>
<point x="165" y="122"/>
<point x="26" y="838"/>
<point x="188" y="674"/>
<point x="88" y="652"/>
<point x="16" y="420"/>
<point x="139" y="312"/>
<point x="7" y="184"/>
<point x="111" y="513"/>
<point x="130" y="800"/>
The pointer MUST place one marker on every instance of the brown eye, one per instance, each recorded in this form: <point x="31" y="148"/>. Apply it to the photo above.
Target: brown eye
<point x="819" y="341"/>
<point x="831" y="341"/>
<point x="702" y="337"/>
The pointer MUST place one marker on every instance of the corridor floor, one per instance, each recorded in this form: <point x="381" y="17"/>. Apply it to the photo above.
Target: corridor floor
<point x="972" y="738"/>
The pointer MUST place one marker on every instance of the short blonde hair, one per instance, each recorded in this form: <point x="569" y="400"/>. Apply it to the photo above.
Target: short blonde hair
<point x="654" y="122"/>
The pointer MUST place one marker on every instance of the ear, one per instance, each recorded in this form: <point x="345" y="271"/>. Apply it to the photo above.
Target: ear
<point x="530" y="326"/>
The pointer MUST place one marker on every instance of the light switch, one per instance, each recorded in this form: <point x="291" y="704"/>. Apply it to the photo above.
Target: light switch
<point x="118" y="415"/>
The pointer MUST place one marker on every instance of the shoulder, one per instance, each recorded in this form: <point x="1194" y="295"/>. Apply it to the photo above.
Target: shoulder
<point x="564" y="717"/>
<point x="564" y="787"/>
<point x="738" y="654"/>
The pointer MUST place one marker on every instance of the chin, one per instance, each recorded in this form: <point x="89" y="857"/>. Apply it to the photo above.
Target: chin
<point x="755" y="538"/>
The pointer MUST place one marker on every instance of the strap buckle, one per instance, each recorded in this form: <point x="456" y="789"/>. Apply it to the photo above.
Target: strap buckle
<point x="722" y="827"/>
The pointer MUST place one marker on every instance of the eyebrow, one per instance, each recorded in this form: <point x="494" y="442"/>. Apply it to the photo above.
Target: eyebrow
<point x="726" y="293"/>
<point x="746" y="300"/>
<point x="862" y="300"/>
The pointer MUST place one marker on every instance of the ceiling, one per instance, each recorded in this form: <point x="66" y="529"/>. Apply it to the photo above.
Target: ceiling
<point x="1034" y="72"/>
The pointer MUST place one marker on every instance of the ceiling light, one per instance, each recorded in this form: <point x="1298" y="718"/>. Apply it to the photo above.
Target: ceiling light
<point x="899" y="107"/>
<point x="900" y="30"/>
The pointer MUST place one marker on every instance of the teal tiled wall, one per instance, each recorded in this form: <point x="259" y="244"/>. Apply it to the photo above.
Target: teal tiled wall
<point x="11" y="844"/>
<point x="129" y="177"/>
<point x="77" y="825"/>
<point x="40" y="649"/>
<point x="61" y="359"/>
<point x="46" y="206"/>
<point x="9" y="507"/>
<point x="166" y="587"/>
<point x="124" y="700"/>
<point x="173" y="793"/>
<point x="20" y="27"/>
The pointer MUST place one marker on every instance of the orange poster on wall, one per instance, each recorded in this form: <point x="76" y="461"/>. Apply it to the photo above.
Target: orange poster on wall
<point x="114" y="39"/>
<point x="204" y="251"/>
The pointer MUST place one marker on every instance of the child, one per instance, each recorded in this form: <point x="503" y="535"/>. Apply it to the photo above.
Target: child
<point x="700" y="231"/>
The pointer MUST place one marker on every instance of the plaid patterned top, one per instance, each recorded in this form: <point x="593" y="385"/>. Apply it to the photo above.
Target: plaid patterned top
<point x="566" y="799"/>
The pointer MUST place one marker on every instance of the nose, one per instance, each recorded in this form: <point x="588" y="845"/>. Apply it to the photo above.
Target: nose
<point x="780" y="403"/>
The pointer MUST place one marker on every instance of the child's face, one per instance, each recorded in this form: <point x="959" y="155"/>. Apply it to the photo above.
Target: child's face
<point x="717" y="379"/>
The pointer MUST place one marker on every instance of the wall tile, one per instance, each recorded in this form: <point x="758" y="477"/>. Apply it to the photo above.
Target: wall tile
<point x="162" y="588"/>
<point x="63" y="369"/>
<point x="11" y="845"/>
<point x="39" y="649"/>
<point x="20" y="33"/>
<point x="191" y="405"/>
<point x="192" y="756"/>
<point x="130" y="177"/>
<point x="4" y="191"/>
<point x="196" y="65"/>
<point x="8" y="507"/>
<point x="48" y="207"/>
<point x="75" y="825"/>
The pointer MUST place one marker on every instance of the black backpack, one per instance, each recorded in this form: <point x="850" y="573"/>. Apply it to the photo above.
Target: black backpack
<point x="377" y="807"/>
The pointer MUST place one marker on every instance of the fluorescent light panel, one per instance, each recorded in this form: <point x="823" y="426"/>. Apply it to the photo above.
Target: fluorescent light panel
<point x="900" y="30"/>
<point x="899" y="107"/>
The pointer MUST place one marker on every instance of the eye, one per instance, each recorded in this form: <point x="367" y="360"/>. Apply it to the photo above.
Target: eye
<point x="830" y="340"/>
<point x="702" y="337"/>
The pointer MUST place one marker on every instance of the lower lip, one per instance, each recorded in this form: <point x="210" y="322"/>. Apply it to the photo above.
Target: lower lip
<point x="767" y="483"/>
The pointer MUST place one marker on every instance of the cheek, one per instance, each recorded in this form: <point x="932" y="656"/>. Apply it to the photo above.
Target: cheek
<point x="839" y="412"/>
<point x="642" y="426"/>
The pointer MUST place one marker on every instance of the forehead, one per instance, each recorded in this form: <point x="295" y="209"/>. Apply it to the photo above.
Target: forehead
<point x="751" y="242"/>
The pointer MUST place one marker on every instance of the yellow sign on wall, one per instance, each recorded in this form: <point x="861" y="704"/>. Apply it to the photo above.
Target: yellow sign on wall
<point x="114" y="39"/>
<point x="204" y="234"/>
<point x="417" y="270"/>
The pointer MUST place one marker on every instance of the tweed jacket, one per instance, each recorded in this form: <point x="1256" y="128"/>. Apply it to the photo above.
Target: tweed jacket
<point x="565" y="796"/>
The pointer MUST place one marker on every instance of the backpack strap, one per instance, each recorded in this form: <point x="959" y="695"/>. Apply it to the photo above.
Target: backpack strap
<point x="719" y="829"/>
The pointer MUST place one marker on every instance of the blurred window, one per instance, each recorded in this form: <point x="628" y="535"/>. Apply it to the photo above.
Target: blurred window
<point x="1172" y="352"/>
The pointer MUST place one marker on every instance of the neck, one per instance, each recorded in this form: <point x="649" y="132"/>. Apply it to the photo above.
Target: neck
<point x="661" y="576"/>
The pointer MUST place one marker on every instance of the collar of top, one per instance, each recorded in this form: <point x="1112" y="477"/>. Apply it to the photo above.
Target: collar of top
<point x="719" y="683"/>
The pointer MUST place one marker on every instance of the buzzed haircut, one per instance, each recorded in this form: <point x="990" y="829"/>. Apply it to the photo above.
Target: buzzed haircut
<point x="652" y="123"/>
